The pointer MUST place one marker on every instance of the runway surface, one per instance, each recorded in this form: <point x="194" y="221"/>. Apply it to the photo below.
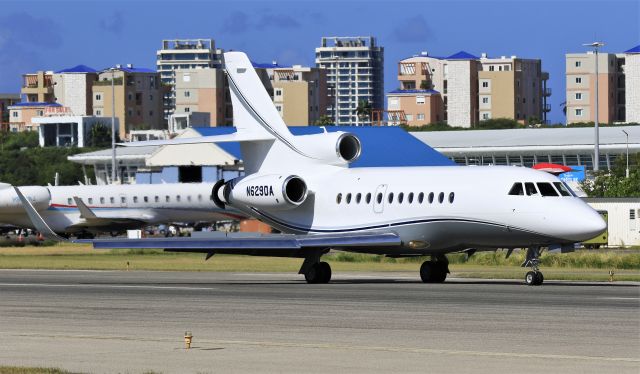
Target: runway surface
<point x="100" y="321"/>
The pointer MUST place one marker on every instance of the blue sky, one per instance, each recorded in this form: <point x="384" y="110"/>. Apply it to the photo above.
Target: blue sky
<point x="51" y="35"/>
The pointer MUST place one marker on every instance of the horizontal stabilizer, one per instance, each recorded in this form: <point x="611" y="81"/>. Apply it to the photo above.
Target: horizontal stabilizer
<point x="234" y="137"/>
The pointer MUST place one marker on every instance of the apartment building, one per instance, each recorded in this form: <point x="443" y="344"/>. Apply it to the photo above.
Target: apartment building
<point x="299" y="93"/>
<point x="72" y="88"/>
<point x="184" y="54"/>
<point x="21" y="115"/>
<point x="513" y="87"/>
<point x="6" y="100"/>
<point x="138" y="98"/>
<point x="463" y="89"/>
<point x="203" y="90"/>
<point x="37" y="87"/>
<point x="355" y="73"/>
<point x="631" y="89"/>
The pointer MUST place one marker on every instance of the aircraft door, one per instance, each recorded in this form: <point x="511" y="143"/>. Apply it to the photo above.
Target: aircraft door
<point x="378" y="198"/>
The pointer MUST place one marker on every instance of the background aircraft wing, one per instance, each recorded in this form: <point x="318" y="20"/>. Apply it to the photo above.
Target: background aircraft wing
<point x="259" y="245"/>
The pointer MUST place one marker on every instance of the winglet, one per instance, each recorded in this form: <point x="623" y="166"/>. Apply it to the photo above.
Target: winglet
<point x="38" y="223"/>
<point x="85" y="212"/>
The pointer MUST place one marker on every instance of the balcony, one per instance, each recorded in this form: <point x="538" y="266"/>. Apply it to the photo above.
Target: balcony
<point x="547" y="92"/>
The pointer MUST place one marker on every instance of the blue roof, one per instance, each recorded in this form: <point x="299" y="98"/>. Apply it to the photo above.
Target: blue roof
<point x="131" y="70"/>
<point x="78" y="69"/>
<point x="635" y="49"/>
<point x="28" y="104"/>
<point x="414" y="92"/>
<point x="462" y="55"/>
<point x="381" y="146"/>
<point x="268" y="65"/>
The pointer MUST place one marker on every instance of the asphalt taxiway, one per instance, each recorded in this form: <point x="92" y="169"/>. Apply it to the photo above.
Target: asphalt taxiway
<point x="111" y="321"/>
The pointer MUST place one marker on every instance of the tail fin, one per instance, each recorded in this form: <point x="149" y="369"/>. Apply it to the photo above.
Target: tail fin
<point x="253" y="109"/>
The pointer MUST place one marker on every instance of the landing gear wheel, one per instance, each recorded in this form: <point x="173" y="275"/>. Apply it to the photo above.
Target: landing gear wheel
<point x="318" y="273"/>
<point x="433" y="272"/>
<point x="534" y="278"/>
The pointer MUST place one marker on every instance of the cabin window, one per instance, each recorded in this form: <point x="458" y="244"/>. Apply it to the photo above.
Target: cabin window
<point x="69" y="201"/>
<point x="530" y="188"/>
<point x="410" y="197"/>
<point x="199" y="197"/>
<point x="441" y="197"/>
<point x="339" y="198"/>
<point x="123" y="199"/>
<point x="431" y="197"/>
<point x="546" y="189"/>
<point x="358" y="197"/>
<point x="90" y="200"/>
<point x="348" y="198"/>
<point x="112" y="200"/>
<point x="390" y="199"/>
<point x="167" y="198"/>
<point x="562" y="189"/>
<point x="178" y="198"/>
<point x="400" y="197"/>
<point x="102" y="200"/>
<point x="189" y="198"/>
<point x="516" y="189"/>
<point x="146" y="199"/>
<point x="379" y="198"/>
<point x="135" y="199"/>
<point x="157" y="199"/>
<point x="420" y="197"/>
<point x="451" y="197"/>
<point x="368" y="198"/>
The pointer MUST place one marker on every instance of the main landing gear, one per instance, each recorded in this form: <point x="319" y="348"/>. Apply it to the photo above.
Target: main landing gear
<point x="435" y="271"/>
<point x="315" y="271"/>
<point x="533" y="277"/>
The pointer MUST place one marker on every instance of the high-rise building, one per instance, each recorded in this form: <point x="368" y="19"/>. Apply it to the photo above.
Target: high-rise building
<point x="581" y="81"/>
<point x="463" y="89"/>
<point x="72" y="89"/>
<point x="138" y="98"/>
<point x="355" y="74"/>
<point x="203" y="90"/>
<point x="513" y="87"/>
<point x="632" y="85"/>
<point x="184" y="54"/>
<point x="38" y="87"/>
<point x="299" y="93"/>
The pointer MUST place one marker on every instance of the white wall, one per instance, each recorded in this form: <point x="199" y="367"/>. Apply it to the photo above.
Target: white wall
<point x="623" y="231"/>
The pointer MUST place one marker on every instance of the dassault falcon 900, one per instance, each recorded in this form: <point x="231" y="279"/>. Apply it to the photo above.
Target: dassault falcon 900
<point x="303" y="186"/>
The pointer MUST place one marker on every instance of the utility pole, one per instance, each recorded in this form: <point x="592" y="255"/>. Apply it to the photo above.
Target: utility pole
<point x="113" y="128"/>
<point x="627" y="170"/>
<point x="596" y="151"/>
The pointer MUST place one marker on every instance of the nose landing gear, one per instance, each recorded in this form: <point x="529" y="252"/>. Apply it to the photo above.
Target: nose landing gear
<point x="533" y="277"/>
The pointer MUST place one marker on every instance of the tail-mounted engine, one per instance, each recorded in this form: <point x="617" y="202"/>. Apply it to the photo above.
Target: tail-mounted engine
<point x="261" y="191"/>
<point x="39" y="197"/>
<point x="335" y="148"/>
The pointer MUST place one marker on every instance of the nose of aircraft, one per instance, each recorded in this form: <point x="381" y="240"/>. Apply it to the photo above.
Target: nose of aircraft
<point x="587" y="224"/>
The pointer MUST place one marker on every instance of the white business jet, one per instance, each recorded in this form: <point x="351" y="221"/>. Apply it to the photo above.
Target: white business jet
<point x="84" y="211"/>
<point x="303" y="186"/>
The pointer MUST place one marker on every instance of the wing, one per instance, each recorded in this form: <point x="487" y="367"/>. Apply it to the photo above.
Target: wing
<point x="91" y="220"/>
<point x="278" y="245"/>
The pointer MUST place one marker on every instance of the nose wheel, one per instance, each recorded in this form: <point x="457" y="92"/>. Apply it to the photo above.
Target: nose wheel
<point x="533" y="277"/>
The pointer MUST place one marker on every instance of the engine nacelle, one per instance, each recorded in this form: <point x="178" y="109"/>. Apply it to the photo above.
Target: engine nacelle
<point x="335" y="148"/>
<point x="39" y="197"/>
<point x="264" y="191"/>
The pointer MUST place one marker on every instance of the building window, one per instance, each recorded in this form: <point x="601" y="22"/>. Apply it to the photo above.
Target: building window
<point x="151" y="113"/>
<point x="420" y="116"/>
<point x="578" y="64"/>
<point x="419" y="99"/>
<point x="485" y="100"/>
<point x="578" y="80"/>
<point x="486" y="116"/>
<point x="279" y="108"/>
<point x="187" y="94"/>
<point x="14" y="114"/>
<point x="485" y="84"/>
<point x="98" y="112"/>
<point x="187" y="110"/>
<point x="278" y="92"/>
<point x="409" y="117"/>
<point x="98" y="97"/>
<point x="579" y="112"/>
<point x="150" y="97"/>
<point x="578" y="95"/>
<point x="130" y="96"/>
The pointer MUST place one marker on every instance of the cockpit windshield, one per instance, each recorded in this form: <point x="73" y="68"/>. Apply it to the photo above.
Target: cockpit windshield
<point x="554" y="189"/>
<point x="564" y="191"/>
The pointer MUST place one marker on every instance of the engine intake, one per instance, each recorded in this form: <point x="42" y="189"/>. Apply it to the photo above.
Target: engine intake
<point x="348" y="147"/>
<point x="261" y="191"/>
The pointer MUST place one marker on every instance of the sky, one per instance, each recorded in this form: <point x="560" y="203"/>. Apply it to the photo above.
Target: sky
<point x="53" y="35"/>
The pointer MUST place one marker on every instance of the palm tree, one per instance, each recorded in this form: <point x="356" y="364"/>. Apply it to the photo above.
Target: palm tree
<point x="364" y="110"/>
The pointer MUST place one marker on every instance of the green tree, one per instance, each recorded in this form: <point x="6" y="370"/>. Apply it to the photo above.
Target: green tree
<point x="364" y="110"/>
<point x="614" y="183"/>
<point x="100" y="136"/>
<point x="324" y="121"/>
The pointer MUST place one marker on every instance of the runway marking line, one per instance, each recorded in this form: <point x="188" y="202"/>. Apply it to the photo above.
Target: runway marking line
<point x="95" y="285"/>
<point x="350" y="347"/>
